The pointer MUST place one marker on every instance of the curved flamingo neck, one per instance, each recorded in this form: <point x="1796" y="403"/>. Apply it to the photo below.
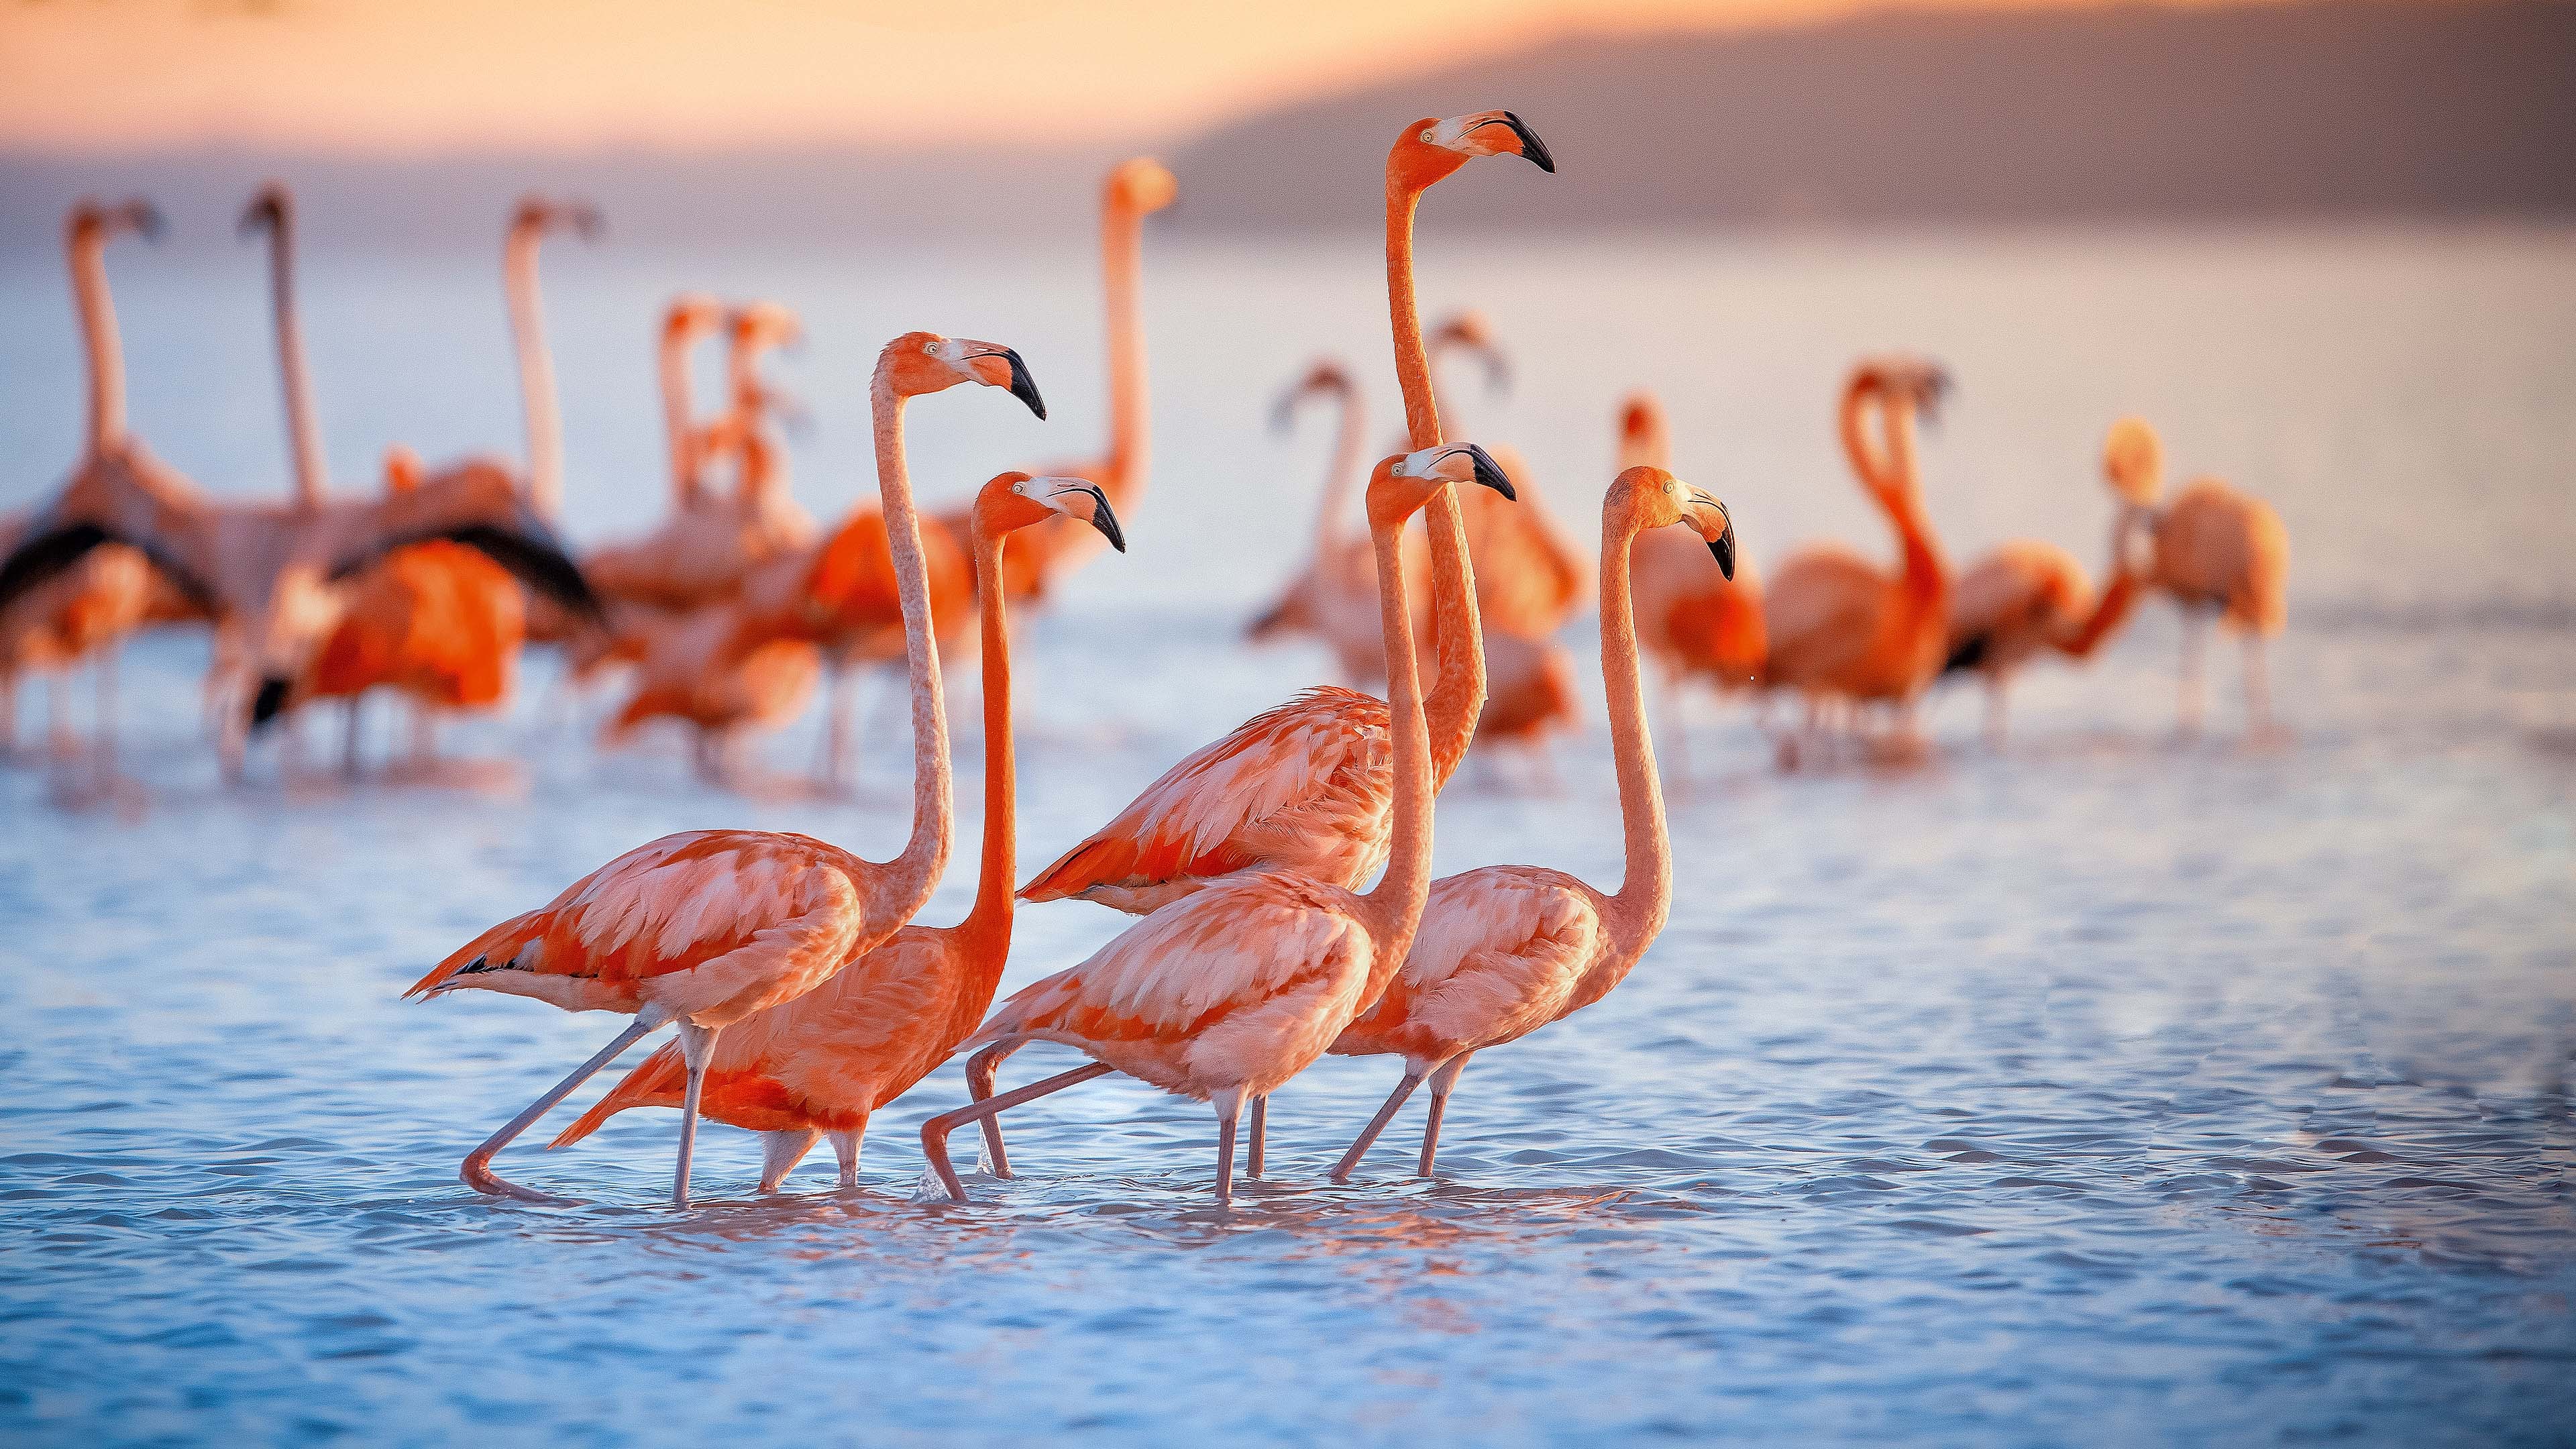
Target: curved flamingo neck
<point x="536" y="370"/>
<point x="1458" y="695"/>
<point x="1926" y="573"/>
<point x="87" y="248"/>
<point x="1332" y="528"/>
<point x="1855" y="438"/>
<point x="1122" y="229"/>
<point x="910" y="877"/>
<point x="688" y="483"/>
<point x="303" y="421"/>
<point x="1395" y="905"/>
<point x="1645" y="893"/>
<point x="763" y="461"/>
<point x="2111" y="608"/>
<point x="989" y="919"/>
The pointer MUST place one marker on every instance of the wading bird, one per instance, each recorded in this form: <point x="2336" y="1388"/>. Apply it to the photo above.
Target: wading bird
<point x="1306" y="787"/>
<point x="2215" y="551"/>
<point x="1692" y="624"/>
<point x="1333" y="595"/>
<point x="707" y="927"/>
<point x="820" y="1065"/>
<point x="1504" y="950"/>
<point x="1226" y="994"/>
<point x="1842" y="631"/>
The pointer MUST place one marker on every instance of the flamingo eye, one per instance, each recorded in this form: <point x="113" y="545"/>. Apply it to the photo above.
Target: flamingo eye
<point x="1426" y="136"/>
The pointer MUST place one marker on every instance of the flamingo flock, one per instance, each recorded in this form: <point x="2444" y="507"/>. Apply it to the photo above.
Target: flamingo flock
<point x="1280" y="875"/>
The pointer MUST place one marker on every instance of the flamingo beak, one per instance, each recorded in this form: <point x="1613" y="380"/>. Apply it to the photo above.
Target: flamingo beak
<point x="1106" y="521"/>
<point x="1723" y="547"/>
<point x="268" y="704"/>
<point x="1490" y="473"/>
<point x="1531" y="146"/>
<point x="1017" y="379"/>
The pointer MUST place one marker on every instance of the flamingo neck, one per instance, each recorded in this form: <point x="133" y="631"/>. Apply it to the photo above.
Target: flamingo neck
<point x="688" y="485"/>
<point x="1855" y="438"/>
<point x="2111" y="608"/>
<point x="989" y="919"/>
<point x="910" y="877"/>
<point x="1458" y="692"/>
<point x="1122" y="230"/>
<point x="756" y="479"/>
<point x="1646" y="889"/>
<point x="1332" y="529"/>
<point x="536" y="371"/>
<point x="104" y="350"/>
<point x="303" y="422"/>
<point x="1926" y="575"/>
<point x="1395" y="906"/>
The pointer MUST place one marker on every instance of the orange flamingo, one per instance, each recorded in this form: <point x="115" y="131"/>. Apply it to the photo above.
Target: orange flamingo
<point x="1224" y="995"/>
<point x="1333" y="596"/>
<point x="1305" y="787"/>
<point x="1694" y="625"/>
<point x="707" y="927"/>
<point x="1507" y="949"/>
<point x="1135" y="189"/>
<point x="820" y="1065"/>
<point x="1841" y="630"/>
<point x="2028" y="595"/>
<point x="655" y="570"/>
<point x="2213" y="550"/>
<point x="84" y="611"/>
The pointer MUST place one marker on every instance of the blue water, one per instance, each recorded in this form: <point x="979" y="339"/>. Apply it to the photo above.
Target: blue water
<point x="2119" y="1088"/>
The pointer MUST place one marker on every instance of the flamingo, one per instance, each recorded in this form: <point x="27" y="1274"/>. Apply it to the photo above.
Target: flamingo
<point x="1841" y="630"/>
<point x="1691" y="623"/>
<point x="655" y="570"/>
<point x="1507" y="949"/>
<point x="1134" y="189"/>
<point x="1303" y="787"/>
<point x="2028" y="595"/>
<point x="89" y="606"/>
<point x="1333" y="595"/>
<point x="821" y="1064"/>
<point x="1225" y="994"/>
<point x="706" y="927"/>
<point x="2214" y="550"/>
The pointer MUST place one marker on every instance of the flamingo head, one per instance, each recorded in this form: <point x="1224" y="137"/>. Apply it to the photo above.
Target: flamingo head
<point x="919" y="363"/>
<point x="1653" y="498"/>
<point x="1405" y="482"/>
<point x="537" y="215"/>
<point x="1470" y="331"/>
<point x="1430" y="149"/>
<point x="1141" y="186"/>
<point x="2133" y="461"/>
<point x="271" y="210"/>
<point x="1013" y="501"/>
<point x="1325" y="376"/>
<point x="756" y="327"/>
<point x="1910" y="382"/>
<point x="690" y="315"/>
<point x="1644" y="436"/>
<point x="102" y="221"/>
<point x="402" y="469"/>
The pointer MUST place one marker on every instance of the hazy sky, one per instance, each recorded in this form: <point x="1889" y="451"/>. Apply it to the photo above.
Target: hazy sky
<point x="370" y="75"/>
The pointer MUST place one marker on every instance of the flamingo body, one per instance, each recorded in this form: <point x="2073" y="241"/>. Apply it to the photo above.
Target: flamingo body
<point x="2218" y="547"/>
<point x="437" y="621"/>
<point x="1501" y="952"/>
<point x="2014" y="602"/>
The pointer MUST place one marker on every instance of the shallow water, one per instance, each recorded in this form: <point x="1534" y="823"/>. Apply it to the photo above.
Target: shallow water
<point x="2119" y="1088"/>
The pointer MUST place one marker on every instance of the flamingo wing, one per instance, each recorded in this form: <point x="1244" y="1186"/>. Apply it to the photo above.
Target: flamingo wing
<point x="1501" y="952"/>
<point x="1821" y="614"/>
<point x="1307" y="786"/>
<point x="711" y="924"/>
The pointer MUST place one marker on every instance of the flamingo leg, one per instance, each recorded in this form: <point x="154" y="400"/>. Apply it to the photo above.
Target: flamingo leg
<point x="349" y="741"/>
<point x="980" y="1070"/>
<point x="477" y="1169"/>
<point x="835" y="750"/>
<point x="694" y="1044"/>
<point x="2258" y="685"/>
<point x="934" y="1133"/>
<point x="1260" y="1129"/>
<point x="1441" y="1081"/>
<point x="58" y="715"/>
<point x="104" y="767"/>
<point x="1995" y="712"/>
<point x="779" y="1154"/>
<point x="845" y="1145"/>
<point x="1377" y="1124"/>
<point x="1229" y="1108"/>
<point x="2189" y="706"/>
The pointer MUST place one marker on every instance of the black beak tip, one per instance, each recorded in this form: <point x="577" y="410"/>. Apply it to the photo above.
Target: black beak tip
<point x="1723" y="547"/>
<point x="1023" y="386"/>
<point x="268" y="703"/>
<point x="1531" y="146"/>
<point x="1107" y="523"/>
<point x="1490" y="473"/>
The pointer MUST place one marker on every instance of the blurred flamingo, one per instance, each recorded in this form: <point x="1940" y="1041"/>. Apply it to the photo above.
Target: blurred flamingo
<point x="2215" y="551"/>
<point x="707" y="927"/>
<point x="1507" y="949"/>
<point x="1694" y="625"/>
<point x="1333" y="595"/>
<point x="820" y="1065"/>
<point x="1842" y="631"/>
<point x="1224" y="995"/>
<point x="1305" y="787"/>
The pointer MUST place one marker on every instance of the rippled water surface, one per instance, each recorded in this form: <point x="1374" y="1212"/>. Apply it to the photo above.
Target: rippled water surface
<point x="2118" y="1088"/>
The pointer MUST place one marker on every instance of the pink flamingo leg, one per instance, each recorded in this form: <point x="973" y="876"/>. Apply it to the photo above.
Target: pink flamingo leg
<point x="1377" y="1124"/>
<point x="1441" y="1081"/>
<point x="980" y="1070"/>
<point x="477" y="1170"/>
<point x="934" y="1133"/>
<point x="1229" y="1106"/>
<point x="1260" y="1129"/>
<point x="695" y="1042"/>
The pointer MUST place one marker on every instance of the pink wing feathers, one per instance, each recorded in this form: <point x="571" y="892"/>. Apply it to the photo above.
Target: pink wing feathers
<point x="1305" y="787"/>
<point x="1501" y="952"/>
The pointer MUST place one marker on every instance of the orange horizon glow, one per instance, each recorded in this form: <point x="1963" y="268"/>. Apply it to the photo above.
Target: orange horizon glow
<point x="347" y="76"/>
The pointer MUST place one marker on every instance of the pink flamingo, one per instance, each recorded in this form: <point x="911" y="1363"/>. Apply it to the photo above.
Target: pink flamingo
<point x="2215" y="550"/>
<point x="1694" y="625"/>
<point x="820" y="1065"/>
<point x="707" y="927"/>
<point x="1305" y="787"/>
<point x="1505" y="950"/>
<point x="1224" y="995"/>
<point x="1333" y="595"/>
